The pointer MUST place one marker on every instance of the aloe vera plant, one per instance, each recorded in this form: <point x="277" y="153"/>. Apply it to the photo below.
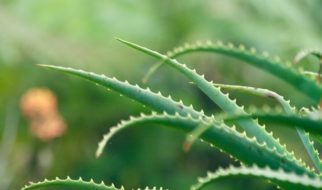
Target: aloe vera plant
<point x="260" y="154"/>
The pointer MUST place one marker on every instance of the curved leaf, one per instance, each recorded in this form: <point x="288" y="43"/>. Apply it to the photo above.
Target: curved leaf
<point x="145" y="96"/>
<point x="68" y="184"/>
<point x="310" y="73"/>
<point x="306" y="52"/>
<point x="263" y="62"/>
<point x="251" y="127"/>
<point x="286" y="180"/>
<point x="227" y="139"/>
<point x="262" y="93"/>
<point x="308" y="144"/>
<point x="308" y="124"/>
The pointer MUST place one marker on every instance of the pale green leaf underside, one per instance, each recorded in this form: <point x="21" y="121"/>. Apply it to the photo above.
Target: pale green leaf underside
<point x="286" y="180"/>
<point x="310" y="125"/>
<point x="306" y="52"/>
<point x="312" y="74"/>
<point x="260" y="92"/>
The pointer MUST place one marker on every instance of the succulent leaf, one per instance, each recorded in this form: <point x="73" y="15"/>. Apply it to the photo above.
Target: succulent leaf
<point x="251" y="127"/>
<point x="272" y="65"/>
<point x="286" y="180"/>
<point x="69" y="183"/>
<point x="288" y="109"/>
<point x="313" y="126"/>
<point x="145" y="96"/>
<point x="227" y="139"/>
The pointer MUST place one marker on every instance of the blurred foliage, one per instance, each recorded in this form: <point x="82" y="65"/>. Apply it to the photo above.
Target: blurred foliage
<point x="80" y="33"/>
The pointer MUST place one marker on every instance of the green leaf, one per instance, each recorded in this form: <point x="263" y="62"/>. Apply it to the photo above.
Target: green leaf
<point x="79" y="184"/>
<point x="308" y="124"/>
<point x="145" y="96"/>
<point x="272" y="65"/>
<point x="69" y="184"/>
<point x="251" y="127"/>
<point x="305" y="123"/>
<point x="306" y="52"/>
<point x="308" y="144"/>
<point x="227" y="139"/>
<point x="286" y="180"/>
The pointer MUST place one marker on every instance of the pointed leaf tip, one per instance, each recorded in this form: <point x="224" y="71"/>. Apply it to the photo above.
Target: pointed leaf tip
<point x="54" y="67"/>
<point x="42" y="65"/>
<point x="142" y="49"/>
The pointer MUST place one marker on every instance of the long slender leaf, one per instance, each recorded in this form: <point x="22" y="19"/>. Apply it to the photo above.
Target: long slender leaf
<point x="288" y="181"/>
<point x="145" y="96"/>
<point x="263" y="62"/>
<point x="308" y="144"/>
<point x="251" y="127"/>
<point x="306" y="52"/>
<point x="308" y="124"/>
<point x="69" y="184"/>
<point x="227" y="139"/>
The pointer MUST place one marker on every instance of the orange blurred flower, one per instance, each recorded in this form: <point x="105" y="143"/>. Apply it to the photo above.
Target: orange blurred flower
<point x="39" y="106"/>
<point x="38" y="102"/>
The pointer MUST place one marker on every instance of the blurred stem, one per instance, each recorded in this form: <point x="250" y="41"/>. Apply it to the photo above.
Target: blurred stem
<point x="7" y="141"/>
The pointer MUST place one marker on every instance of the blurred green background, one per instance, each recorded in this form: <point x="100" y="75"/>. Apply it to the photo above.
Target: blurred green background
<point x="80" y="34"/>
